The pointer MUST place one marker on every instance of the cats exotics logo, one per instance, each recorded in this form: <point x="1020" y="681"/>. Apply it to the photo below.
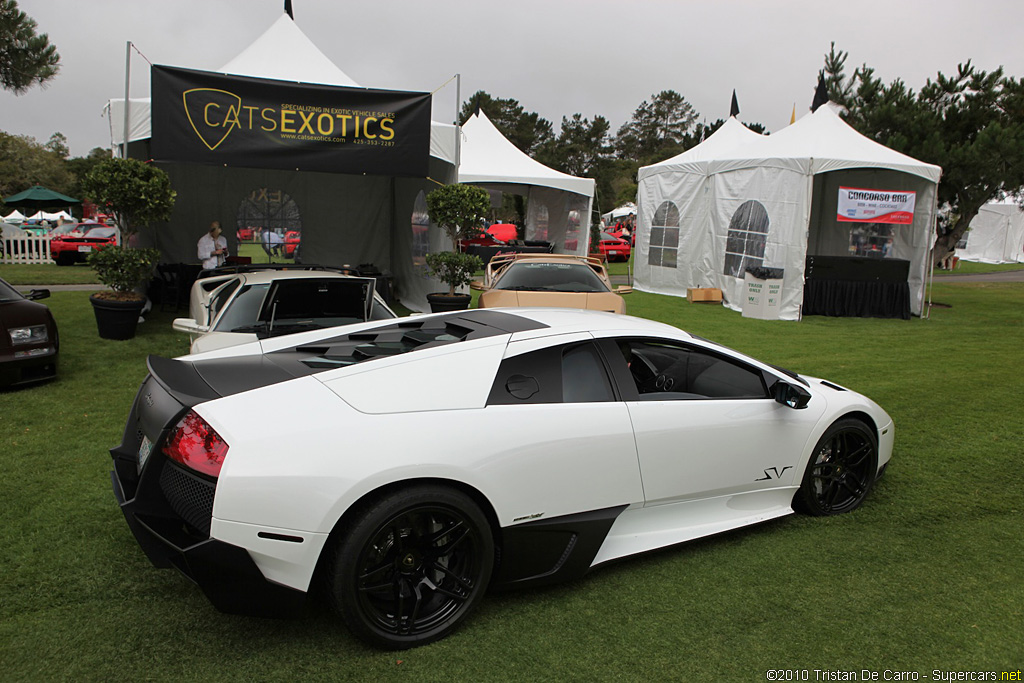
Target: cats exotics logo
<point x="214" y="114"/>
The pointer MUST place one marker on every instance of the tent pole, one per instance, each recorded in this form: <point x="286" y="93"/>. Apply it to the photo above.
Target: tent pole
<point x="458" y="128"/>
<point x="930" y="280"/>
<point x="127" y="102"/>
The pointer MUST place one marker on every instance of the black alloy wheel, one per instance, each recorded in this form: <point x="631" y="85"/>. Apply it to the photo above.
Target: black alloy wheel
<point x="841" y="471"/>
<point x="413" y="566"/>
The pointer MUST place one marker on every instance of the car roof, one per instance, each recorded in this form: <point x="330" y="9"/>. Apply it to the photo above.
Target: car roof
<point x="261" y="277"/>
<point x="569" y="320"/>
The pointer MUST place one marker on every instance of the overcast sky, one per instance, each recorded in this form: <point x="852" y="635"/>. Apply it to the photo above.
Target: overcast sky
<point x="557" y="57"/>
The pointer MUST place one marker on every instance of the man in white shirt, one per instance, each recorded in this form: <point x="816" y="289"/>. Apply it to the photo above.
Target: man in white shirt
<point x="213" y="247"/>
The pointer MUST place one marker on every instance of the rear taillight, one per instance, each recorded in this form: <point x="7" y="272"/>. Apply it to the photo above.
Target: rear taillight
<point x="196" y="445"/>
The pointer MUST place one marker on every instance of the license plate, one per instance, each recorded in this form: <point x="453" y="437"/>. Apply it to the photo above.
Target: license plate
<point x="613" y="253"/>
<point x="144" y="450"/>
<point x="85" y="248"/>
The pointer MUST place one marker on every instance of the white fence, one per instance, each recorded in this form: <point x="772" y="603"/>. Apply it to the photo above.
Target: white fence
<point x="26" y="249"/>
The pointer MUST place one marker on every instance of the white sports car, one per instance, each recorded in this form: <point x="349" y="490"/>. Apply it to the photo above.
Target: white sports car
<point x="406" y="466"/>
<point x="246" y="303"/>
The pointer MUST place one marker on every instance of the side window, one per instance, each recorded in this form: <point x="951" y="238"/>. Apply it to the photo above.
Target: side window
<point x="668" y="372"/>
<point x="584" y="379"/>
<point x="560" y="374"/>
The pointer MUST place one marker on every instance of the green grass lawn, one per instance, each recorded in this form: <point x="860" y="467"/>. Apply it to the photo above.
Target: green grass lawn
<point x="970" y="268"/>
<point x="41" y="274"/>
<point x="926" y="575"/>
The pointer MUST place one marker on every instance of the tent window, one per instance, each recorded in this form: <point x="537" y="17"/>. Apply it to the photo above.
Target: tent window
<point x="664" y="246"/>
<point x="270" y="209"/>
<point x="748" y="232"/>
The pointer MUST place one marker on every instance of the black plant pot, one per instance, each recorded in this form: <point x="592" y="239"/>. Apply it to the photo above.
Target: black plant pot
<point x="116" y="319"/>
<point x="443" y="301"/>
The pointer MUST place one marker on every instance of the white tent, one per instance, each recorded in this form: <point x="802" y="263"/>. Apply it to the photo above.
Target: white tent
<point x="558" y="208"/>
<point x="344" y="219"/>
<point x="618" y="212"/>
<point x="51" y="217"/>
<point x="14" y="217"/>
<point x="283" y="53"/>
<point x="740" y="199"/>
<point x="996" y="235"/>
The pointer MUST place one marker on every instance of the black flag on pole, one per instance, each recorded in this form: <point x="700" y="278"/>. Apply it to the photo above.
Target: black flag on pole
<point x="820" y="95"/>
<point x="735" y="109"/>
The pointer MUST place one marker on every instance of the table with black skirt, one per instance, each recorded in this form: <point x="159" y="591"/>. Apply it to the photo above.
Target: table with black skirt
<point x="853" y="286"/>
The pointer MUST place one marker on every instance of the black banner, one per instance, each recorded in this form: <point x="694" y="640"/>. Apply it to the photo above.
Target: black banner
<point x="210" y="118"/>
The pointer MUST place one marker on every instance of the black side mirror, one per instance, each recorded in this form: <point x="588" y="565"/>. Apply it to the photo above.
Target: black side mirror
<point x="36" y="294"/>
<point x="791" y="395"/>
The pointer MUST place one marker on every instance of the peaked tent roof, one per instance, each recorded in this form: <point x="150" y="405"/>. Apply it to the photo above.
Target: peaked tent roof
<point x="282" y="53"/>
<point x="488" y="157"/>
<point x="832" y="144"/>
<point x="285" y="53"/>
<point x="818" y="142"/>
<point x="723" y="141"/>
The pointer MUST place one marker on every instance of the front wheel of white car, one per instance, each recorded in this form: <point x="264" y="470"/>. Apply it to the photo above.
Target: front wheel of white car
<point x="841" y="470"/>
<point x="412" y="567"/>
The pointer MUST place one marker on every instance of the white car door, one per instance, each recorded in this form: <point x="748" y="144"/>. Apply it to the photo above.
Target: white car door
<point x="706" y="424"/>
<point x="569" y="442"/>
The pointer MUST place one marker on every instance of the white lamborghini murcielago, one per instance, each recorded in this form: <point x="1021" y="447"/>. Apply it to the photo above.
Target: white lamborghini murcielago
<point x="405" y="466"/>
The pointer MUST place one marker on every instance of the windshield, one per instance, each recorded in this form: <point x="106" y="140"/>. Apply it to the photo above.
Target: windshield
<point x="66" y="229"/>
<point x="100" y="231"/>
<point x="244" y="309"/>
<point x="8" y="293"/>
<point x="287" y="306"/>
<point x="551" y="277"/>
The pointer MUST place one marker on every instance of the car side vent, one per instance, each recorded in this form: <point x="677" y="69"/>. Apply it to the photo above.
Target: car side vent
<point x="832" y="386"/>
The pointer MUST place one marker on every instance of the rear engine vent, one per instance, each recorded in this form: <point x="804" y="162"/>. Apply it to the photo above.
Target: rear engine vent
<point x="188" y="495"/>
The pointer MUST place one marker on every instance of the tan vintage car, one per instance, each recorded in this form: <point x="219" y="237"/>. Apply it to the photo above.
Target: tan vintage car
<point x="550" y="280"/>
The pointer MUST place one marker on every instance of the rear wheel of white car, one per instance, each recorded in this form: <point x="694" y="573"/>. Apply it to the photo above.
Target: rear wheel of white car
<point x="413" y="565"/>
<point x="841" y="470"/>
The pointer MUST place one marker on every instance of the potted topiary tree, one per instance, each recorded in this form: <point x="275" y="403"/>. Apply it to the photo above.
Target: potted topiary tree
<point x="459" y="210"/>
<point x="136" y="194"/>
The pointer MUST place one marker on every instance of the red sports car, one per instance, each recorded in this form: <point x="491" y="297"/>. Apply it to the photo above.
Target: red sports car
<point x="623" y="235"/>
<point x="614" y="248"/>
<point x="72" y="243"/>
<point x="292" y="238"/>
<point x="496" y="235"/>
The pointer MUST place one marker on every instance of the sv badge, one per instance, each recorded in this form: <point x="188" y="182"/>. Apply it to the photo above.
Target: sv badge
<point x="773" y="473"/>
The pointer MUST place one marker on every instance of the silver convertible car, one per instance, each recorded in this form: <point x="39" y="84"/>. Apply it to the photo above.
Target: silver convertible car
<point x="244" y="303"/>
<point x="403" y="467"/>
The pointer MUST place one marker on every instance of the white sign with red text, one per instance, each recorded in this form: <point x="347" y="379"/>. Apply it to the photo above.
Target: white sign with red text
<point x="876" y="206"/>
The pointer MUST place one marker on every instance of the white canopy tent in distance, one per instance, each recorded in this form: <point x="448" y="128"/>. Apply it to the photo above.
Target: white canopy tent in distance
<point x="618" y="213"/>
<point x="558" y="205"/>
<point x="996" y="235"/>
<point x="742" y="201"/>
